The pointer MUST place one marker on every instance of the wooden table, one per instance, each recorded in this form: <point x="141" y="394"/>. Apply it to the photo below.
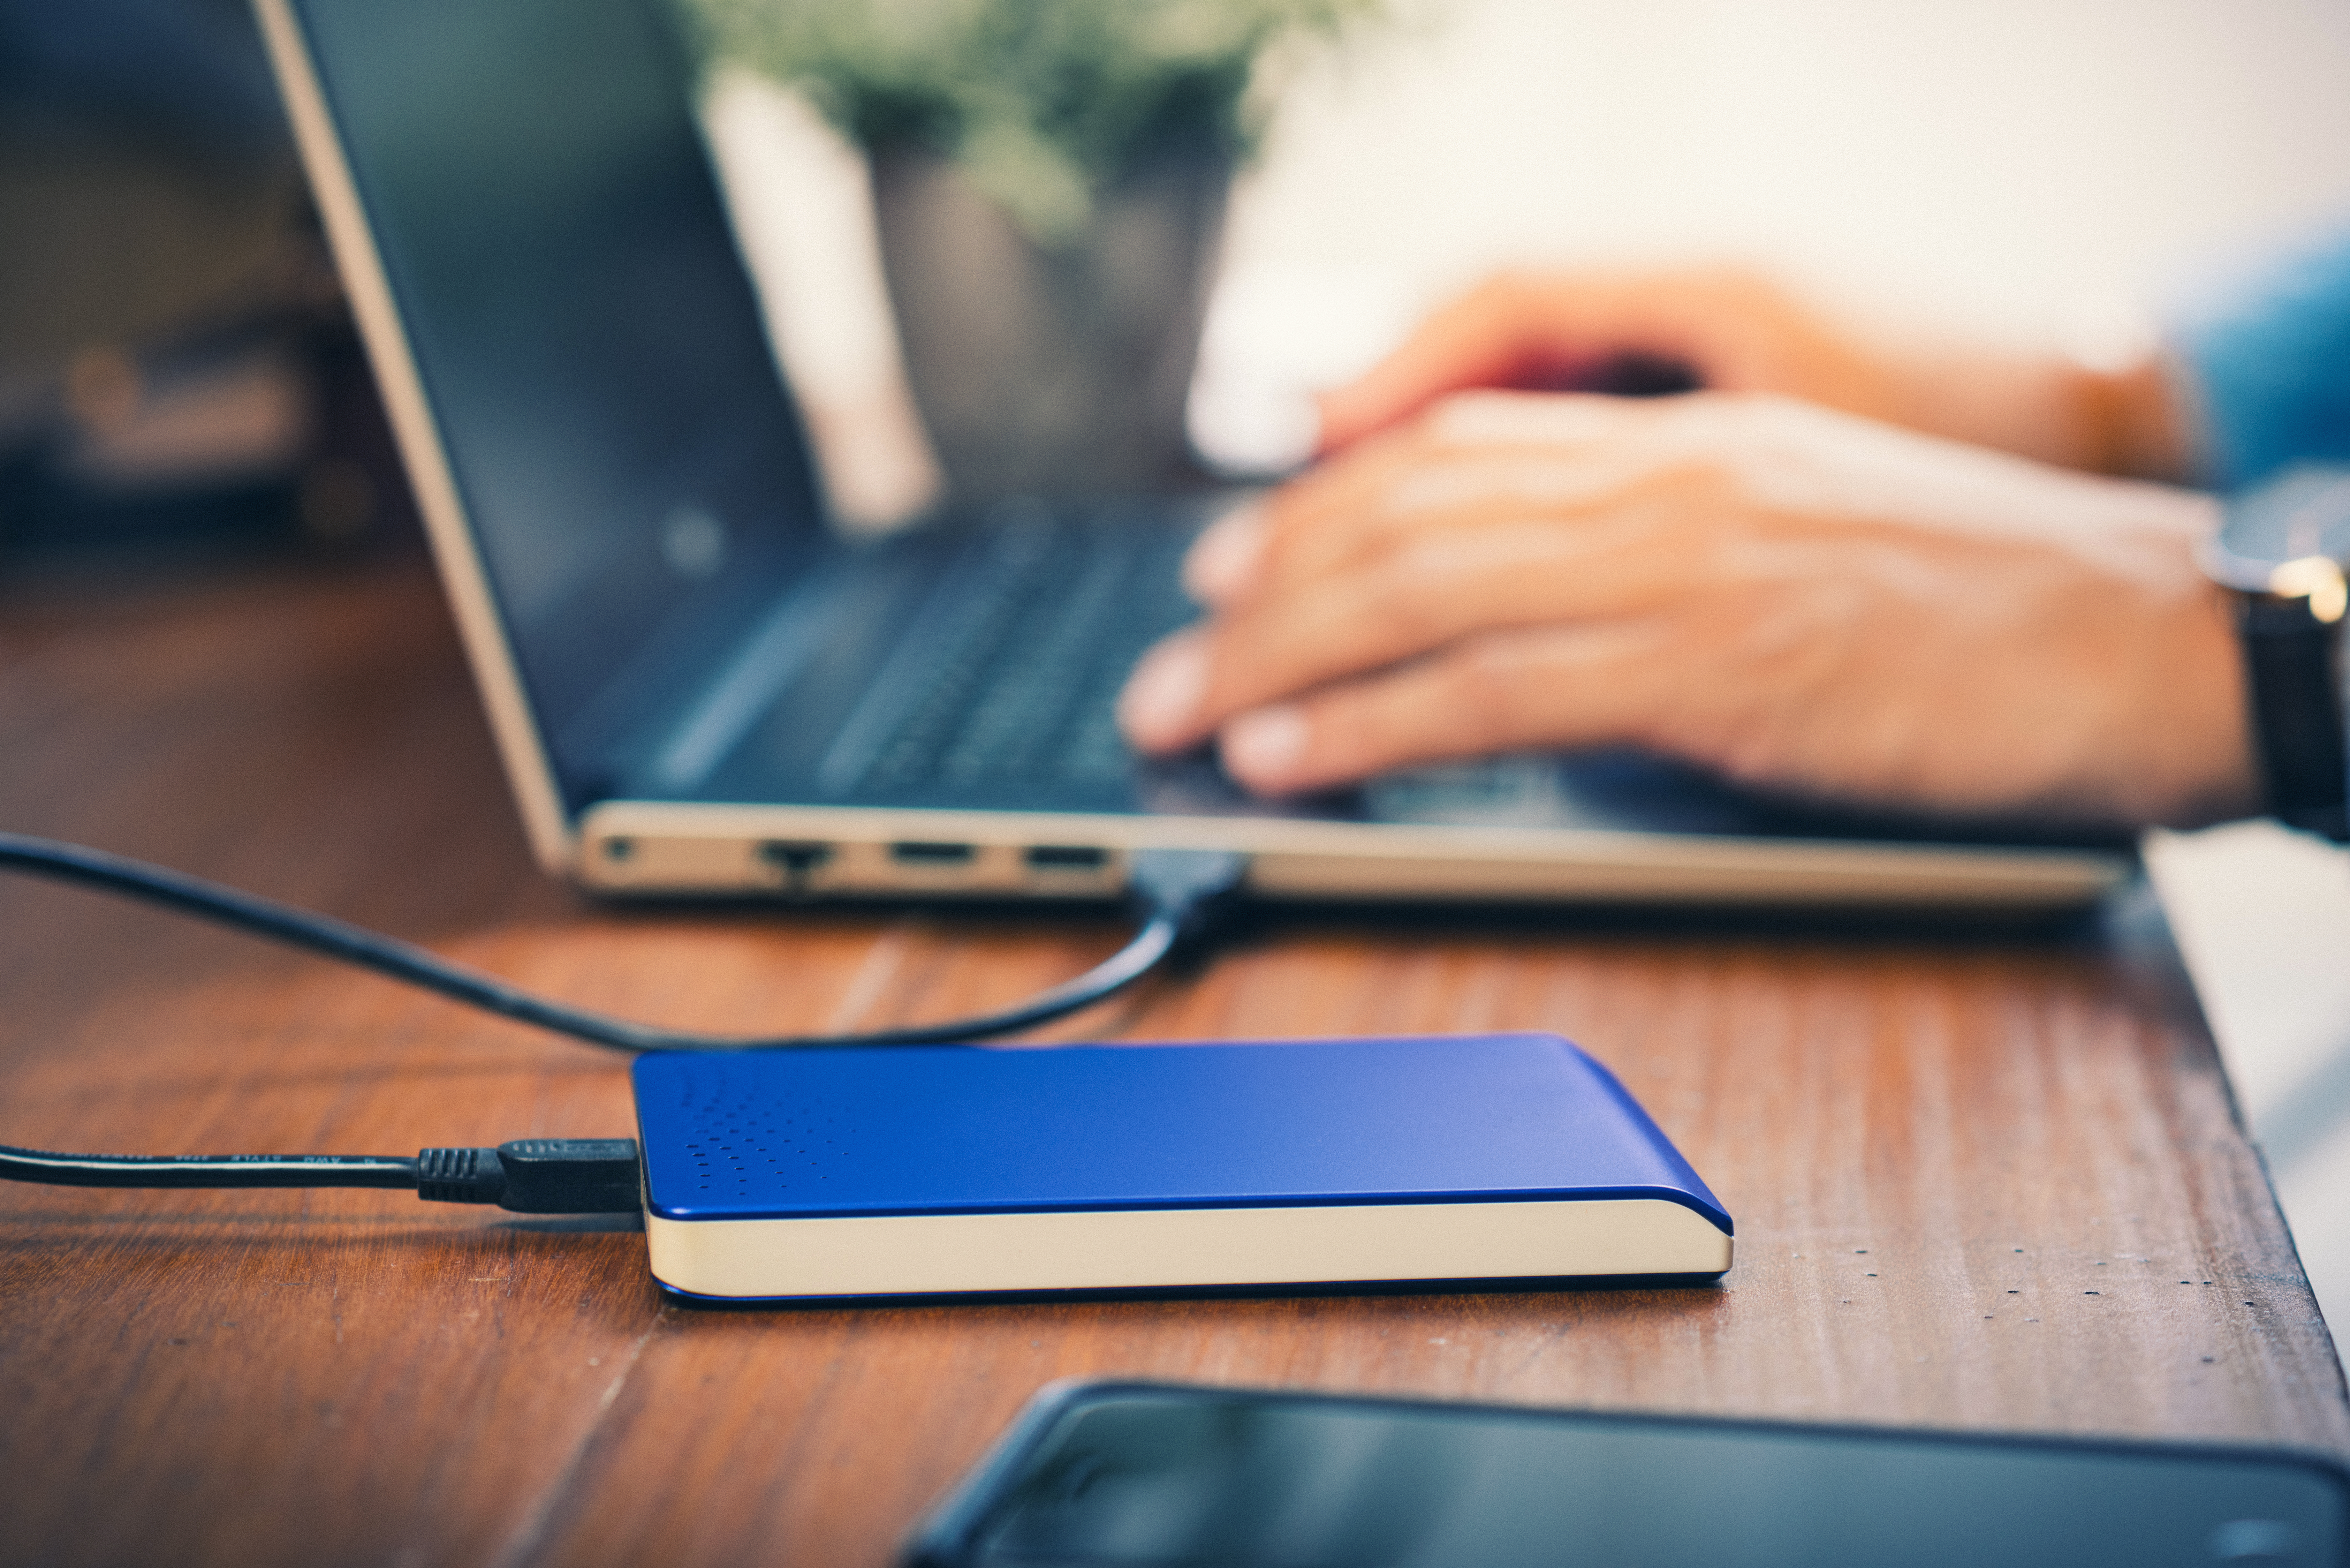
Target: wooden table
<point x="1979" y="1181"/>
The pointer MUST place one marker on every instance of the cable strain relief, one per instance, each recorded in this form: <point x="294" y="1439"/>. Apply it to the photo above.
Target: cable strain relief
<point x="460" y="1176"/>
<point x="1191" y="886"/>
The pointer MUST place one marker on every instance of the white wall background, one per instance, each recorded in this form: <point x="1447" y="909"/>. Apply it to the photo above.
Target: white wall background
<point x="2002" y="166"/>
<point x="1996" y="158"/>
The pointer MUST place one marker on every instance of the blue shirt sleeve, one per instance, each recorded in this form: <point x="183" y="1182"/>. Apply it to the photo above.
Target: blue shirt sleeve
<point x="2269" y="359"/>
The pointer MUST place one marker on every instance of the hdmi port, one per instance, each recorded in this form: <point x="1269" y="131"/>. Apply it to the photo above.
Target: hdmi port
<point x="919" y="854"/>
<point x="1067" y="857"/>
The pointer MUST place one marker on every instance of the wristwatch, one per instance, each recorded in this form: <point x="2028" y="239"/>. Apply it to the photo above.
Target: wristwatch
<point x="2283" y="548"/>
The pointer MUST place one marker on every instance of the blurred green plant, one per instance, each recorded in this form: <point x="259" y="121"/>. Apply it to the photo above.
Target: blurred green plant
<point x="1041" y="102"/>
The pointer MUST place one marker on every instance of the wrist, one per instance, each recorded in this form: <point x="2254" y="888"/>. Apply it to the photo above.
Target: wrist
<point x="2122" y="394"/>
<point x="2049" y="408"/>
<point x="2190" y="744"/>
<point x="2132" y="422"/>
<point x="2281" y="552"/>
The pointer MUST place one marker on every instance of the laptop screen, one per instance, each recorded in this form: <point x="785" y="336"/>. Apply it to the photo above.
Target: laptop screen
<point x="589" y="342"/>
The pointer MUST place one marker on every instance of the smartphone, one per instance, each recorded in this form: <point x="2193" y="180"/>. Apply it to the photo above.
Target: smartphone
<point x="1128" y="1474"/>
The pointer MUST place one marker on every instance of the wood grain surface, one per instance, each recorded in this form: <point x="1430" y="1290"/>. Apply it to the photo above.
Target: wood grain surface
<point x="1980" y="1181"/>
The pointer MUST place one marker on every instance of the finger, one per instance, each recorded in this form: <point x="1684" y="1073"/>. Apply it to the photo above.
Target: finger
<point x="1339" y="495"/>
<point x="1160" y="707"/>
<point x="1475" y="340"/>
<point x="1222" y="561"/>
<point x="1232" y="558"/>
<point x="1411" y="600"/>
<point x="1551" y="688"/>
<point x="1476" y="458"/>
<point x="1521" y="329"/>
<point x="1402" y="605"/>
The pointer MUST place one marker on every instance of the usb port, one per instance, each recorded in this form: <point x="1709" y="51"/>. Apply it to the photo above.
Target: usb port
<point x="1066" y="858"/>
<point x="916" y="853"/>
<point x="795" y="858"/>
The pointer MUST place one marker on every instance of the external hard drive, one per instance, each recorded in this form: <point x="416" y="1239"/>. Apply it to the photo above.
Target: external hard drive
<point x="954" y="1169"/>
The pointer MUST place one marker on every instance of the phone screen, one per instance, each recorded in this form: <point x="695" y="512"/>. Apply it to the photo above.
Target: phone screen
<point x="1140" y="1474"/>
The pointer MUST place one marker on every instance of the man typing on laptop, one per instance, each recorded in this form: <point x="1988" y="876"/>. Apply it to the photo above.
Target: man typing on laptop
<point x="698" y="687"/>
<point x="1849" y="571"/>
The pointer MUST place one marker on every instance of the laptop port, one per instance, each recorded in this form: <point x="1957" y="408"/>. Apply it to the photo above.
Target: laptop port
<point x="1066" y="858"/>
<point x="797" y="858"/>
<point x="916" y="853"/>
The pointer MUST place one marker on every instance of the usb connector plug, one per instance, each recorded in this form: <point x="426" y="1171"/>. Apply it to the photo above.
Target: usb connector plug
<point x="537" y="1175"/>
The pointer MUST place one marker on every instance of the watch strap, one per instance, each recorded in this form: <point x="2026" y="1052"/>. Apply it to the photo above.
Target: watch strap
<point x="2293" y="660"/>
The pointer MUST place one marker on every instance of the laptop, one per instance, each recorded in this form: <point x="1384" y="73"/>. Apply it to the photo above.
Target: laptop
<point x="699" y="686"/>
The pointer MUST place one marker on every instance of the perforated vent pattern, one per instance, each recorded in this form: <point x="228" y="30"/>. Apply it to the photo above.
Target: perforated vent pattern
<point x="747" y="1147"/>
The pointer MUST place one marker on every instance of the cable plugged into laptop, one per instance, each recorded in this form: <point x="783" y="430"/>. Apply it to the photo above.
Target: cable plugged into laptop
<point x="1190" y="886"/>
<point x="1178" y="890"/>
<point x="528" y="1176"/>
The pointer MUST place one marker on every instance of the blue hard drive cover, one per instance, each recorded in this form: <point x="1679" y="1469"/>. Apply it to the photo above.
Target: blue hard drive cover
<point x="976" y="1129"/>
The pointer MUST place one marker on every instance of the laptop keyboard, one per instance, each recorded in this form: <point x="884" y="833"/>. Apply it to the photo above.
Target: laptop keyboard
<point x="1013" y="671"/>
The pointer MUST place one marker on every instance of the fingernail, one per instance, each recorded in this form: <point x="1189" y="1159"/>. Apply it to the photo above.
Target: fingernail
<point x="1163" y="693"/>
<point x="1265" y="746"/>
<point x="1222" y="561"/>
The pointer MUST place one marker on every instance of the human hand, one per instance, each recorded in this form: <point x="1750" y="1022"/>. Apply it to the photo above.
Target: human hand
<point x="1734" y="331"/>
<point x="1798" y="600"/>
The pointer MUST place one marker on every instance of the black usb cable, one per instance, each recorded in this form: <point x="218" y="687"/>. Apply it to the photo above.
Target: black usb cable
<point x="1176" y="888"/>
<point x="529" y="1176"/>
